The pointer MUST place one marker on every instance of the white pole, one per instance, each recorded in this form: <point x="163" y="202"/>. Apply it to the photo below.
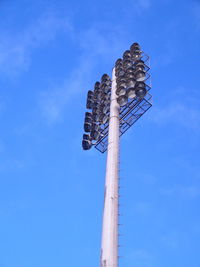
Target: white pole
<point x="109" y="247"/>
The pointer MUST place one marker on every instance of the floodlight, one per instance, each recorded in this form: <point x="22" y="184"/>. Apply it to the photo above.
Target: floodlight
<point x="140" y="89"/>
<point x="127" y="55"/>
<point x="86" y="144"/>
<point x="121" y="83"/>
<point x="96" y="117"/>
<point x="131" y="83"/>
<point x="95" y="110"/>
<point x="118" y="68"/>
<point x="95" y="127"/>
<point x="121" y="90"/>
<point x="87" y="119"/>
<point x="90" y="93"/>
<point x="131" y="93"/>
<point x="141" y="92"/>
<point x="139" y="62"/>
<point x="89" y="104"/>
<point x="135" y="51"/>
<point x="130" y="70"/>
<point x="136" y="56"/>
<point x="105" y="107"/>
<point x="105" y="83"/>
<point x="118" y="62"/>
<point x="140" y="76"/>
<point x="130" y="76"/>
<point x="120" y="73"/>
<point x="86" y="137"/>
<point x="122" y="100"/>
<point x="127" y="61"/>
<point x="95" y="134"/>
<point x="103" y="118"/>
<point x="87" y="127"/>
<point x="127" y="64"/>
<point x="90" y="97"/>
<point x="121" y="78"/>
<point x="139" y="67"/>
<point x="106" y="103"/>
<point x="107" y="89"/>
<point x="106" y="97"/>
<point x="105" y="77"/>
<point x="97" y="85"/>
<point x="134" y="45"/>
<point x="97" y="100"/>
<point x="88" y="114"/>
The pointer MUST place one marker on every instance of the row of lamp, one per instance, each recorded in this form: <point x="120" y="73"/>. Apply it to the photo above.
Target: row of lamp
<point x="131" y="74"/>
<point x="98" y="101"/>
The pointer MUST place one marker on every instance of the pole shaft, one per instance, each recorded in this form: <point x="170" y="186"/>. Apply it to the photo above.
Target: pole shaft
<point x="109" y="248"/>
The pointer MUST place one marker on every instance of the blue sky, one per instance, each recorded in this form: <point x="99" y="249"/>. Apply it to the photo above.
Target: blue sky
<point x="51" y="192"/>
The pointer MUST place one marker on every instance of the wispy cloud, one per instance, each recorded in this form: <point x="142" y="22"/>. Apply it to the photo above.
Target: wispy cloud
<point x="95" y="45"/>
<point x="187" y="116"/>
<point x="196" y="13"/>
<point x="2" y="146"/>
<point x="145" y="4"/>
<point x="143" y="208"/>
<point x="53" y="101"/>
<point x="171" y="239"/>
<point x="140" y="258"/>
<point x="16" y="48"/>
<point x="191" y="191"/>
<point x="11" y="164"/>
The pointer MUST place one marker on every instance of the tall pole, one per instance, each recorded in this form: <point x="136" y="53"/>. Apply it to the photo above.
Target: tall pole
<point x="109" y="247"/>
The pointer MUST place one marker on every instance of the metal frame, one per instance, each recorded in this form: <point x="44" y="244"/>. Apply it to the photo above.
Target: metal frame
<point x="130" y="113"/>
<point x="128" y="116"/>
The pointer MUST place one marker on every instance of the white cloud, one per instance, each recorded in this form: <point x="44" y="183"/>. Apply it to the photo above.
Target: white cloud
<point x="16" y="48"/>
<point x="144" y="3"/>
<point x="140" y="258"/>
<point x="191" y="191"/>
<point x="187" y="116"/>
<point x="52" y="102"/>
<point x="196" y="13"/>
<point x="2" y="146"/>
<point x="143" y="208"/>
<point x="11" y="164"/>
<point x="171" y="240"/>
<point x="95" y="46"/>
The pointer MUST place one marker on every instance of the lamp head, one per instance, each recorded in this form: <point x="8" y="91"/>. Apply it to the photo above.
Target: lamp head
<point x="140" y="89"/>
<point x="122" y="100"/>
<point x="87" y="127"/>
<point x="97" y="85"/>
<point x="121" y="91"/>
<point x="105" y="77"/>
<point x="140" y="76"/>
<point x="86" y="137"/>
<point x="131" y="93"/>
<point x="131" y="83"/>
<point x="89" y="104"/>
<point x="86" y="144"/>
<point x="118" y="62"/>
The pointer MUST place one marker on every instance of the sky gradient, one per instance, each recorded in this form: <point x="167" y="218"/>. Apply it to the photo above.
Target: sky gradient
<point x="51" y="191"/>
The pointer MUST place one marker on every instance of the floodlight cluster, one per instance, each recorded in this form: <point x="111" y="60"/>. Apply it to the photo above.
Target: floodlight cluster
<point x="132" y="92"/>
<point x="98" y="102"/>
<point x="131" y="74"/>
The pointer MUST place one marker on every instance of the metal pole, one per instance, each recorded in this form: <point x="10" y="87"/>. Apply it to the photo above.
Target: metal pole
<point x="109" y="248"/>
